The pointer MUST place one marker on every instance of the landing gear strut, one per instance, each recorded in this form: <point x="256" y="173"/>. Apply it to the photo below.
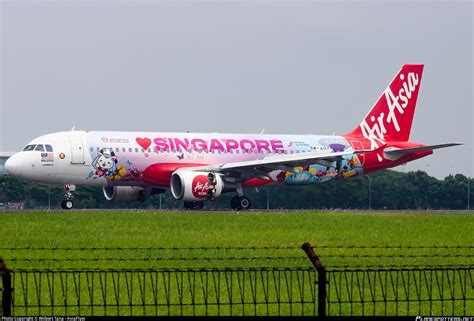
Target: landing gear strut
<point x="193" y="205"/>
<point x="68" y="203"/>
<point x="240" y="203"/>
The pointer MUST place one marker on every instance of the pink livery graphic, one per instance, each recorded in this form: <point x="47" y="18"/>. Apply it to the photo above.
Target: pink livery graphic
<point x="197" y="167"/>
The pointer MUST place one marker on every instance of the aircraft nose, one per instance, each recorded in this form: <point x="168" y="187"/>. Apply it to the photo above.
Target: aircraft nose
<point x="13" y="165"/>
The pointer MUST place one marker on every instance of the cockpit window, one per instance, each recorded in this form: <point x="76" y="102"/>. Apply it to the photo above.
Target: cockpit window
<point x="28" y="148"/>
<point x="48" y="148"/>
<point x="39" y="148"/>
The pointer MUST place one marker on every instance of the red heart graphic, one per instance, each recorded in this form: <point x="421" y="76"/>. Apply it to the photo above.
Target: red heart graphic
<point x="143" y="142"/>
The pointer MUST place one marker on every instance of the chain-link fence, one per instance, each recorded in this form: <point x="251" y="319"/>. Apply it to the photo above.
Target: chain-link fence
<point x="353" y="280"/>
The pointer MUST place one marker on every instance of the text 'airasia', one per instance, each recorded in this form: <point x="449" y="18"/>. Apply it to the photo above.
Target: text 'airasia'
<point x="197" y="167"/>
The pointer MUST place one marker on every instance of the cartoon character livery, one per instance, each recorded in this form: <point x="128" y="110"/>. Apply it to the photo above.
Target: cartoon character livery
<point x="197" y="167"/>
<point x="105" y="164"/>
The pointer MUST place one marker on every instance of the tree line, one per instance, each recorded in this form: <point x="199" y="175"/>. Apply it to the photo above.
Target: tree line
<point x="388" y="190"/>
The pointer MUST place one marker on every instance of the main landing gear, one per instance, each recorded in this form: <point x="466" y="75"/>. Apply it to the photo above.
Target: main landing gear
<point x="240" y="203"/>
<point x="193" y="205"/>
<point x="68" y="203"/>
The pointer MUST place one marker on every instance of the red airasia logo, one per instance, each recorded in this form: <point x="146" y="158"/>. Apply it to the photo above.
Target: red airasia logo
<point x="61" y="155"/>
<point x="200" y="186"/>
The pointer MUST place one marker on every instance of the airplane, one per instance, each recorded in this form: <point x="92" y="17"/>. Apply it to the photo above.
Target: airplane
<point x="195" y="167"/>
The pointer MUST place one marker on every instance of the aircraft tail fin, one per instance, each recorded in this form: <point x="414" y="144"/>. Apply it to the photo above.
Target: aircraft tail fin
<point x="391" y="117"/>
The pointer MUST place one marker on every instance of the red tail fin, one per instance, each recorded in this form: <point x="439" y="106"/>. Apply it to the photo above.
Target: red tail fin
<point x="392" y="115"/>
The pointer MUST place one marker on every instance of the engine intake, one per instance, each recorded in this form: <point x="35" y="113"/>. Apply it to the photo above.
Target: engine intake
<point x="195" y="186"/>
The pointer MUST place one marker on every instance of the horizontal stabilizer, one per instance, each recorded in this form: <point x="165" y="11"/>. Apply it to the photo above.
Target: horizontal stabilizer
<point x="393" y="153"/>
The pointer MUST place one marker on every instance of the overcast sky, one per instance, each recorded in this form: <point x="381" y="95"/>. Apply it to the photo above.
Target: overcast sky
<point x="294" y="67"/>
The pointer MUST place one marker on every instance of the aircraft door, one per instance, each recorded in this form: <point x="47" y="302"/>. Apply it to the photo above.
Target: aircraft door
<point x="77" y="150"/>
<point x="357" y="145"/>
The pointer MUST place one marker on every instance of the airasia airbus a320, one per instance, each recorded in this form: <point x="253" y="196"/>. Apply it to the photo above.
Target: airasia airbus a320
<point x="131" y="166"/>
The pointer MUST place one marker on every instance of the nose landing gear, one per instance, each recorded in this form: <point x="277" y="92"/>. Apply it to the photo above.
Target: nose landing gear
<point x="68" y="203"/>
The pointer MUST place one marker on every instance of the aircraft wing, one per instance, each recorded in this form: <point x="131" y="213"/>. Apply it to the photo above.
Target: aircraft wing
<point x="278" y="162"/>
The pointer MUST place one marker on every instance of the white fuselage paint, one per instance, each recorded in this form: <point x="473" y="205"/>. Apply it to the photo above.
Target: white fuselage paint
<point x="77" y="160"/>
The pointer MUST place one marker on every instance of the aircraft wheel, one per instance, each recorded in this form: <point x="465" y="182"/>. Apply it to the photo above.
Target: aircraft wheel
<point x="67" y="204"/>
<point x="243" y="203"/>
<point x="234" y="202"/>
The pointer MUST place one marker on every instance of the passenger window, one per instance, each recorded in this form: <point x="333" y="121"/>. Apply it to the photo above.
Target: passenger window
<point x="29" y="148"/>
<point x="48" y="148"/>
<point x="39" y="148"/>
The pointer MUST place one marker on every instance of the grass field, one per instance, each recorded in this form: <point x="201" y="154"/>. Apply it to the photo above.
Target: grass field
<point x="145" y="238"/>
<point x="229" y="229"/>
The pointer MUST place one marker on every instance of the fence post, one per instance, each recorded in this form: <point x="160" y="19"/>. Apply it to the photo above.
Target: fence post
<point x="6" y="290"/>
<point x="308" y="249"/>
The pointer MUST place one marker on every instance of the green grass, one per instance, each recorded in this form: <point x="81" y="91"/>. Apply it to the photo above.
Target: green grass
<point x="229" y="229"/>
<point x="148" y="229"/>
<point x="331" y="233"/>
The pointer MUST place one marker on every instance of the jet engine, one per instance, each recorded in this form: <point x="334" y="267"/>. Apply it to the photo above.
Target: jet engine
<point x="196" y="186"/>
<point x="125" y="193"/>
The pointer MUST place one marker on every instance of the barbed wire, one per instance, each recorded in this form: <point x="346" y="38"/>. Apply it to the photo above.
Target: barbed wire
<point x="167" y="269"/>
<point x="389" y="266"/>
<point x="121" y="259"/>
<point x="146" y="248"/>
<point x="316" y="246"/>
<point x="333" y="268"/>
<point x="393" y="255"/>
<point x="238" y="258"/>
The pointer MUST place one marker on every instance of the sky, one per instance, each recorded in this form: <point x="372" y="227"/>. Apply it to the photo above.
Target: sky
<point x="295" y="67"/>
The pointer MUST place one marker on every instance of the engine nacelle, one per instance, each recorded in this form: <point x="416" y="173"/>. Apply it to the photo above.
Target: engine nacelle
<point x="125" y="193"/>
<point x="195" y="186"/>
